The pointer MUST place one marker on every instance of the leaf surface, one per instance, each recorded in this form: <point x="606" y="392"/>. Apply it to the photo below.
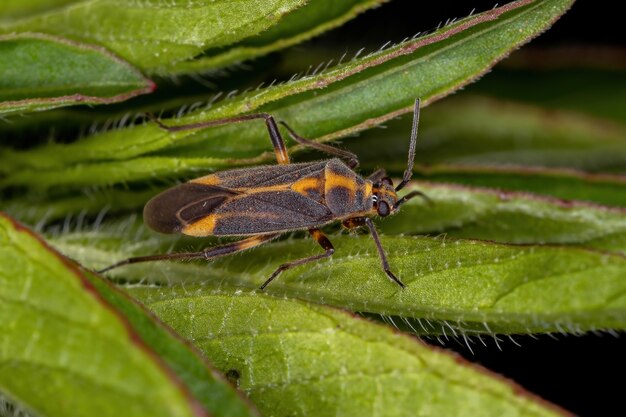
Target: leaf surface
<point x="41" y="72"/>
<point x="298" y="359"/>
<point x="509" y="217"/>
<point x="73" y="344"/>
<point x="474" y="285"/>
<point x="386" y="81"/>
<point x="177" y="30"/>
<point x="10" y="9"/>
<point x="480" y="131"/>
<point x="561" y="183"/>
<point x="308" y="21"/>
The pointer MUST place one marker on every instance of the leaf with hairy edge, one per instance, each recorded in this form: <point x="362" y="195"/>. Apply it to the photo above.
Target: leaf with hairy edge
<point x="33" y="209"/>
<point x="10" y="9"/>
<point x="487" y="286"/>
<point x="177" y="31"/>
<point x="510" y="218"/>
<point x="41" y="72"/>
<point x="357" y="95"/>
<point x="490" y="132"/>
<point x="298" y="359"/>
<point x="75" y="345"/>
<point x="310" y="20"/>
<point x="561" y="183"/>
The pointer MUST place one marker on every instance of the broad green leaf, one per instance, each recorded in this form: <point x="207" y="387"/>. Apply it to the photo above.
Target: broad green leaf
<point x="310" y="20"/>
<point x="78" y="346"/>
<point x="10" y="9"/>
<point x="561" y="183"/>
<point x="156" y="34"/>
<point x="298" y="359"/>
<point x="357" y="95"/>
<point x="37" y="208"/>
<point x="490" y="132"/>
<point x="41" y="72"/>
<point x="510" y="218"/>
<point x="478" y="285"/>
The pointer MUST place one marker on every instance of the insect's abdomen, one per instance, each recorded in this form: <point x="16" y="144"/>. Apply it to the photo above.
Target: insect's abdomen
<point x="346" y="193"/>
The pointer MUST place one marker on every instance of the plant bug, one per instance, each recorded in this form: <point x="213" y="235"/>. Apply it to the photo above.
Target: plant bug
<point x="264" y="202"/>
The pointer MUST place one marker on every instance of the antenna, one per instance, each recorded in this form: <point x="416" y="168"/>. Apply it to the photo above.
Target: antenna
<point x="409" y="169"/>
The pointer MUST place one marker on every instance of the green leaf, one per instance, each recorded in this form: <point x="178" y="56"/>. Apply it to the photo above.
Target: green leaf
<point x="41" y="72"/>
<point x="496" y="133"/>
<point x="310" y="20"/>
<point x="10" y="9"/>
<point x="357" y="95"/>
<point x="561" y="183"/>
<point x="479" y="286"/>
<point x="35" y="208"/>
<point x="153" y="35"/>
<point x="518" y="218"/>
<point x="298" y="359"/>
<point x="75" y="345"/>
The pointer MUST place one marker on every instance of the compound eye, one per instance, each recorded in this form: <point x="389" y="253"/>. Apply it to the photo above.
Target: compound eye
<point x="383" y="209"/>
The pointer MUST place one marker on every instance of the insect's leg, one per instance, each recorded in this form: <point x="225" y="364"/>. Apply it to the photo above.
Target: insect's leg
<point x="352" y="159"/>
<point x="208" y="253"/>
<point x="319" y="238"/>
<point x="381" y="252"/>
<point x="277" y="140"/>
<point x="377" y="175"/>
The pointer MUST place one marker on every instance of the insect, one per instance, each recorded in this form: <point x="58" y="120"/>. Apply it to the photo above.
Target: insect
<point x="264" y="202"/>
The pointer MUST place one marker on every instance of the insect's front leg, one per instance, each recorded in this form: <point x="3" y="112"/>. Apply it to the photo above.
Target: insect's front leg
<point x="319" y="238"/>
<point x="366" y="221"/>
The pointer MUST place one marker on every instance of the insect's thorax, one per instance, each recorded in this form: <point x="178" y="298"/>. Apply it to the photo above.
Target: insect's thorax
<point x="345" y="192"/>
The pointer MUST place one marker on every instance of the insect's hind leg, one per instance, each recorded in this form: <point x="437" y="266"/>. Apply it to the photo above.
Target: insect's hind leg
<point x="319" y="238"/>
<point x="208" y="253"/>
<point x="277" y="140"/>
<point x="352" y="159"/>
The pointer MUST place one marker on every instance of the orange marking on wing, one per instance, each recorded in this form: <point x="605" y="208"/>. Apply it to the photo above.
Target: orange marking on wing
<point x="250" y="243"/>
<point x="368" y="189"/>
<point x="246" y="191"/>
<point x="301" y="186"/>
<point x="336" y="180"/>
<point x="203" y="227"/>
<point x="212" y="179"/>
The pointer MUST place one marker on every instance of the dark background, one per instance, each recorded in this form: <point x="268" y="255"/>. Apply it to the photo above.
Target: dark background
<point x="584" y="374"/>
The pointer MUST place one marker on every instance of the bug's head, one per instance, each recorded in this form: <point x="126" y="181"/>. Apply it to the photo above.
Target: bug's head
<point x="384" y="197"/>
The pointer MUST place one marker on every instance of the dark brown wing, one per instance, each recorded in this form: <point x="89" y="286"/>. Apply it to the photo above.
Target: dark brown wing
<point x="176" y="208"/>
<point x="262" y="176"/>
<point x="262" y="212"/>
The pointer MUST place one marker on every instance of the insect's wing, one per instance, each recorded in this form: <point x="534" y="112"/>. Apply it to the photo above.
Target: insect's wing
<point x="239" y="202"/>
<point x="175" y="209"/>
<point x="262" y="176"/>
<point x="262" y="212"/>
